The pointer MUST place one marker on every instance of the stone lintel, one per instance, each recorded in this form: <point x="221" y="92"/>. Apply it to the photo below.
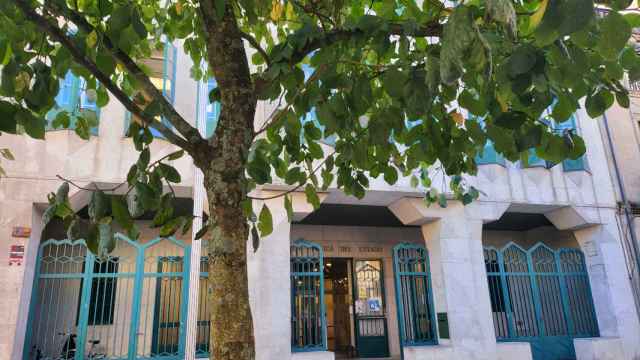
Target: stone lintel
<point x="414" y="211"/>
<point x="574" y="218"/>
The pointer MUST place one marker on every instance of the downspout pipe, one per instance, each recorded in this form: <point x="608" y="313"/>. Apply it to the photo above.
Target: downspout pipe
<point x="625" y="207"/>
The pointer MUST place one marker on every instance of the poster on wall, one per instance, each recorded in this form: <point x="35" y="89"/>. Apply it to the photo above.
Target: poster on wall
<point x="16" y="255"/>
<point x="374" y="304"/>
<point x="21" y="232"/>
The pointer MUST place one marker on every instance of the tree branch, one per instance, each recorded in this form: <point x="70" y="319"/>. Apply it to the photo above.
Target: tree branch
<point x="433" y="29"/>
<point x="177" y="121"/>
<point x="50" y="27"/>
<point x="254" y="43"/>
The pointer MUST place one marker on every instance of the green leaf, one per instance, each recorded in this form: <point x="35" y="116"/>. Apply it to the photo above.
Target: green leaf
<point x="98" y="205"/>
<point x="73" y="230"/>
<point x="188" y="223"/>
<point x="597" y="103"/>
<point x="165" y="212"/>
<point x="48" y="214"/>
<point x="144" y="158"/>
<point x="82" y="129"/>
<point x="504" y="12"/>
<point x="289" y="207"/>
<point x="169" y="173"/>
<point x="8" y="121"/>
<point x="203" y="231"/>
<point x="614" y="34"/>
<point x="522" y="60"/>
<point x="312" y="196"/>
<point x="170" y="228"/>
<point x="62" y="194"/>
<point x="61" y="120"/>
<point x="458" y="35"/>
<point x="176" y="155"/>
<point x="107" y="242"/>
<point x="390" y="175"/>
<point x="120" y="212"/>
<point x="563" y="17"/>
<point x="394" y="81"/>
<point x="442" y="200"/>
<point x="105" y="63"/>
<point x="7" y="154"/>
<point x="33" y="125"/>
<point x="265" y="221"/>
<point x="93" y="239"/>
<point x="255" y="238"/>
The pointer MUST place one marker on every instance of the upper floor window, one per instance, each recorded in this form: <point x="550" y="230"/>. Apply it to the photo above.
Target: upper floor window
<point x="161" y="69"/>
<point x="74" y="99"/>
<point x="569" y="125"/>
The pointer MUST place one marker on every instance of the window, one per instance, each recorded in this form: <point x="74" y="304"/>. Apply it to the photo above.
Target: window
<point x="72" y="98"/>
<point x="213" y="110"/>
<point x="103" y="293"/>
<point x="161" y="66"/>
<point x="568" y="164"/>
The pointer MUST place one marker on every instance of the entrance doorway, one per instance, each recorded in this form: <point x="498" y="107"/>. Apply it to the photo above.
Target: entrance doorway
<point x="355" y="305"/>
<point x="338" y="299"/>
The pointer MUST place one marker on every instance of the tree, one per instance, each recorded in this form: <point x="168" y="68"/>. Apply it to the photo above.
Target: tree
<point x="390" y="82"/>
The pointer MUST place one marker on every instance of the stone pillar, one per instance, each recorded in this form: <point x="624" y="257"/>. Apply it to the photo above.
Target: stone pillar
<point x="269" y="283"/>
<point x="453" y="236"/>
<point x="457" y="266"/>
<point x="610" y="286"/>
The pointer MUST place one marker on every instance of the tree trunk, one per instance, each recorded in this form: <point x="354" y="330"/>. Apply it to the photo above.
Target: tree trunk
<point x="231" y="335"/>
<point x="223" y="165"/>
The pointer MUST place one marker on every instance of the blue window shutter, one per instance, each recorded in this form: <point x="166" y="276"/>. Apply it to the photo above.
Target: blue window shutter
<point x="579" y="164"/>
<point x="213" y="110"/>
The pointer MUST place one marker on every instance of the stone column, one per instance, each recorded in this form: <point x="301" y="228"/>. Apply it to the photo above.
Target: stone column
<point x="269" y="283"/>
<point x="453" y="236"/>
<point x="610" y="286"/>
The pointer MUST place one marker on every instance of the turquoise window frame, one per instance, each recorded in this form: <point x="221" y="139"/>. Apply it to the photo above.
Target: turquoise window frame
<point x="72" y="98"/>
<point x="302" y="270"/>
<point x="168" y="75"/>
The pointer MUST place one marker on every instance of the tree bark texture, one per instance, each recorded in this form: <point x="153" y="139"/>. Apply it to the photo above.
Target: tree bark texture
<point x="223" y="165"/>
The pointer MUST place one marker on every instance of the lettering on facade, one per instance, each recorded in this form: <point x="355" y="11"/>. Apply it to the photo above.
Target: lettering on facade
<point x="344" y="249"/>
<point x="370" y="249"/>
<point x="327" y="248"/>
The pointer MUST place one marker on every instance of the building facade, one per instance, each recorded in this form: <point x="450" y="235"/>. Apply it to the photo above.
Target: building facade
<point x="536" y="268"/>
